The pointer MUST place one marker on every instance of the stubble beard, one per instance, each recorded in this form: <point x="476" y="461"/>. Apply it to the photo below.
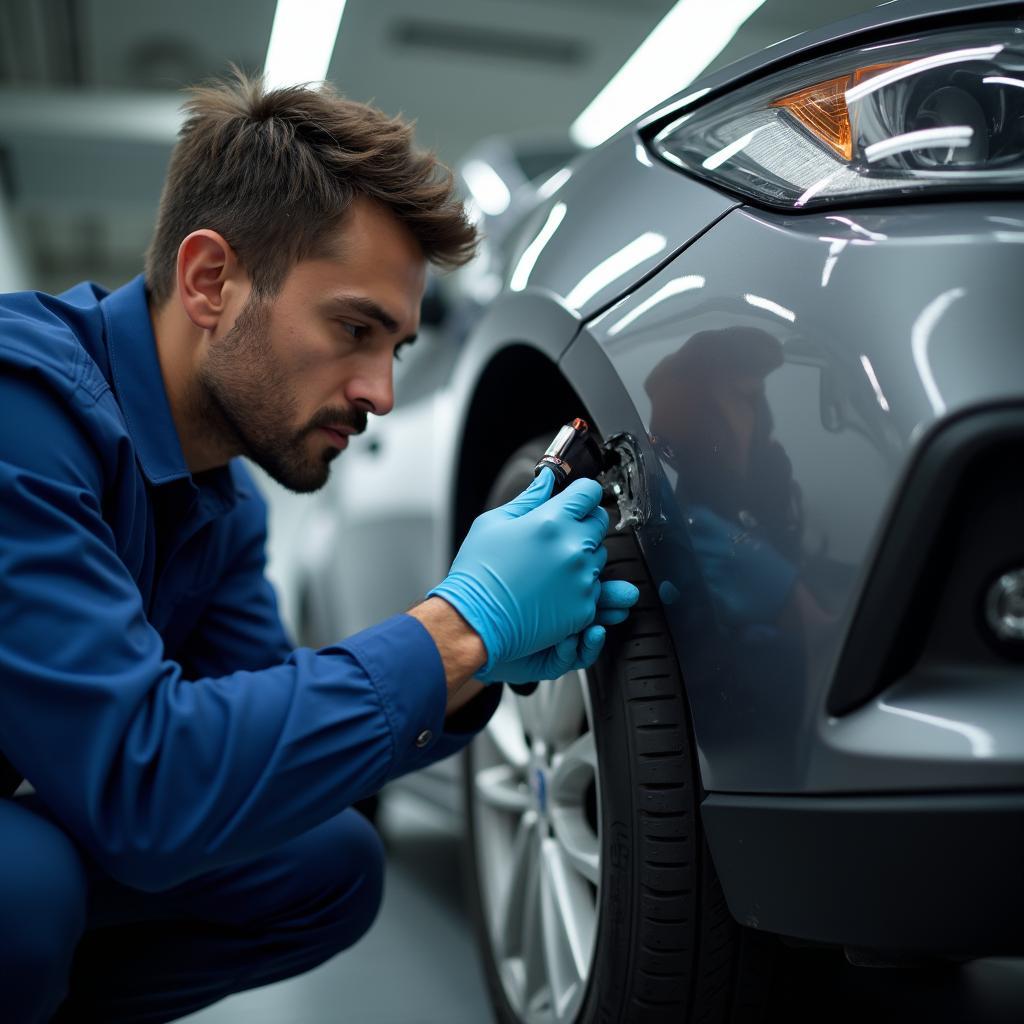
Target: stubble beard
<point x="240" y="399"/>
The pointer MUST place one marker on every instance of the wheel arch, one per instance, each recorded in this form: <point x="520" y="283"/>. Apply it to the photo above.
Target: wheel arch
<point x="540" y="367"/>
<point x="521" y="394"/>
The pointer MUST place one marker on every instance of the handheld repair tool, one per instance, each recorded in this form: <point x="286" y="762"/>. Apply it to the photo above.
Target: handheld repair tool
<point x="616" y="463"/>
<point x="575" y="453"/>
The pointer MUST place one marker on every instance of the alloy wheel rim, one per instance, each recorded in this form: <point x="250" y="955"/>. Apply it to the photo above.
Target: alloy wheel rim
<point x="536" y="802"/>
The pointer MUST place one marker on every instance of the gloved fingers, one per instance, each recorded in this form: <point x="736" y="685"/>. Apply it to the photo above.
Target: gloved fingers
<point x="600" y="514"/>
<point x="614" y="602"/>
<point x="564" y="656"/>
<point x="580" y="498"/>
<point x="590" y="643"/>
<point x="595" y="528"/>
<point x="557" y="660"/>
<point x="618" y="594"/>
<point x="578" y="650"/>
<point x="601" y="559"/>
<point x="534" y="496"/>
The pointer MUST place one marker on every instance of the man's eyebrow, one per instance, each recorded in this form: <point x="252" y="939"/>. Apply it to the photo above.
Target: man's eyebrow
<point x="368" y="308"/>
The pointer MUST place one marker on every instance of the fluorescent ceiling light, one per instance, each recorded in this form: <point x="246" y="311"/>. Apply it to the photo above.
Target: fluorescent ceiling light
<point x="982" y="743"/>
<point x="936" y="60"/>
<point x="949" y="137"/>
<point x="920" y="336"/>
<point x="681" y="46"/>
<point x="1001" y="80"/>
<point x="551" y="185"/>
<point x="772" y="307"/>
<point x="524" y="268"/>
<point x="728" y="152"/>
<point x="649" y="244"/>
<point x="876" y="387"/>
<point x="301" y="41"/>
<point x="676" y="287"/>
<point x="490" y="192"/>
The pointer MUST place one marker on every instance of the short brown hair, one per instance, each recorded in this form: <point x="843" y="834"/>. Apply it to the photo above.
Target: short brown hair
<point x="274" y="172"/>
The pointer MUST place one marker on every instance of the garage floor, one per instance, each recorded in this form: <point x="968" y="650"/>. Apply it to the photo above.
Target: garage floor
<point x="418" y="964"/>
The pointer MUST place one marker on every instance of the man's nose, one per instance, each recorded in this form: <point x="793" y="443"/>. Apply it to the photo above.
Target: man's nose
<point x="372" y="390"/>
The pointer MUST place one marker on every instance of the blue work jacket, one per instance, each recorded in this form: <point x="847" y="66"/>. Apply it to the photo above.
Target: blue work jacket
<point x="147" y="688"/>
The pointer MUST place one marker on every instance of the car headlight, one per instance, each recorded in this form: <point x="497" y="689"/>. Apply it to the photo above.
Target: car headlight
<point x="943" y="111"/>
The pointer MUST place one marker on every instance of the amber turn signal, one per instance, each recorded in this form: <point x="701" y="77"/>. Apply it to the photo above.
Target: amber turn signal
<point x="822" y="110"/>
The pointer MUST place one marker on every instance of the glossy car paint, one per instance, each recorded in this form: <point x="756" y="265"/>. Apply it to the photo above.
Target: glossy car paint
<point x="887" y="324"/>
<point x="591" y="238"/>
<point x="900" y="318"/>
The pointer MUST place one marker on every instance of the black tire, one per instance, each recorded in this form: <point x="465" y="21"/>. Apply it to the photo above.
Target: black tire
<point x="667" y="949"/>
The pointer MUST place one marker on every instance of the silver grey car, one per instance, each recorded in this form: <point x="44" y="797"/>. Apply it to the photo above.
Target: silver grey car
<point x="791" y="303"/>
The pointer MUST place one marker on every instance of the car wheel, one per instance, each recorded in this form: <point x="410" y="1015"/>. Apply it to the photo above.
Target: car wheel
<point x="593" y="892"/>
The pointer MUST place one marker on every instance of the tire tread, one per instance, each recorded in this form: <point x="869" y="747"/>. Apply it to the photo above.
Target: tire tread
<point x="674" y="955"/>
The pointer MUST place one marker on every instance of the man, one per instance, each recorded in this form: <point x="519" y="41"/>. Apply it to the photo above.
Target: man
<point x="189" y="833"/>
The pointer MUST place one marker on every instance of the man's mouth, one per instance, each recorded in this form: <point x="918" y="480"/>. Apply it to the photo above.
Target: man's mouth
<point x="338" y="436"/>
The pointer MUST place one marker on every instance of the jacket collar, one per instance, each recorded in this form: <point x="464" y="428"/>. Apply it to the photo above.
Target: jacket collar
<point x="139" y="386"/>
<point x="139" y="383"/>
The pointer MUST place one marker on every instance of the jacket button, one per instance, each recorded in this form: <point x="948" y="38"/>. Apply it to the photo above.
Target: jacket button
<point x="424" y="738"/>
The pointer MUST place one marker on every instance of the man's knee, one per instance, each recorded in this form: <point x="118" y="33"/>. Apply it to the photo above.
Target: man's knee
<point x="323" y="889"/>
<point x="367" y="890"/>
<point x="43" y="892"/>
<point x="348" y="856"/>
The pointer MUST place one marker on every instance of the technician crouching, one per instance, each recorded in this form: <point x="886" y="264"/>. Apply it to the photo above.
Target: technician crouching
<point x="189" y="836"/>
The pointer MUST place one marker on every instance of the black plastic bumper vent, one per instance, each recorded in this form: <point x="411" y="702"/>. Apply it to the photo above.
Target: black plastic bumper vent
<point x="957" y="524"/>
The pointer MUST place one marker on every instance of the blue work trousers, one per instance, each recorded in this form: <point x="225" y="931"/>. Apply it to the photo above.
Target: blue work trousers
<point x="75" y="946"/>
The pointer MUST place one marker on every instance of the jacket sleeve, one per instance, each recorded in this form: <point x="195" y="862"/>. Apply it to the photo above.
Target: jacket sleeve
<point x="161" y="778"/>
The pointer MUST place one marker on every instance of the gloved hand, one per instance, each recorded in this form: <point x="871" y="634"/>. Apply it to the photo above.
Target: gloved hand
<point x="526" y="578"/>
<point x="749" y="580"/>
<point x="578" y="651"/>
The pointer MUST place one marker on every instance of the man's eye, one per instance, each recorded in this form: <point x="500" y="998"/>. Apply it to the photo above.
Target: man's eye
<point x="398" y="350"/>
<point x="357" y="331"/>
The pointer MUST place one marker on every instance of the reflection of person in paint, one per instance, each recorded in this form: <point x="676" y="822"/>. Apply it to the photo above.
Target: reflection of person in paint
<point x="712" y="423"/>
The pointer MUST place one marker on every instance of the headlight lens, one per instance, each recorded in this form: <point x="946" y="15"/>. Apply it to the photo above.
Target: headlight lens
<point x="939" y="112"/>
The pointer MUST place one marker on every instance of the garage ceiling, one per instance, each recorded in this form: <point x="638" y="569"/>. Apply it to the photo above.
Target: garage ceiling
<point x="89" y="91"/>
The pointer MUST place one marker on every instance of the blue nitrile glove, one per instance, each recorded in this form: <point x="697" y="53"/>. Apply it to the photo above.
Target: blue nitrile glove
<point x="749" y="580"/>
<point x="526" y="576"/>
<point x="578" y="651"/>
<point x="617" y="597"/>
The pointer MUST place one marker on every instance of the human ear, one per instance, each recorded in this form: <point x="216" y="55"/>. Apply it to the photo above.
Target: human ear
<point x="207" y="267"/>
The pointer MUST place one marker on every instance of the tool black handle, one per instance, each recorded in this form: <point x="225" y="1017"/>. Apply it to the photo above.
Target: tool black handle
<point x="574" y="453"/>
